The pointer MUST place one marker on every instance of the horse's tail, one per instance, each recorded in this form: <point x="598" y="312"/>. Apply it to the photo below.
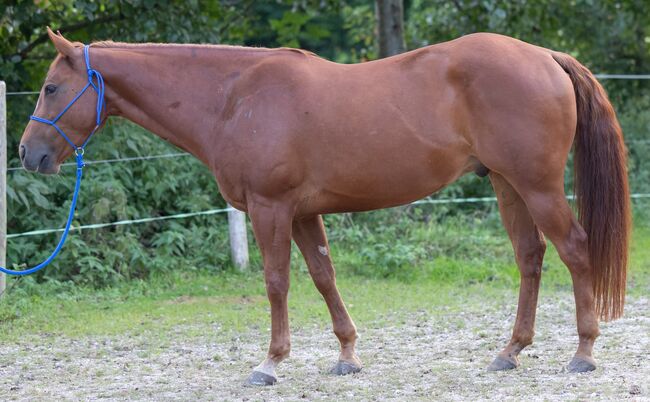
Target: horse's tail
<point x="601" y="187"/>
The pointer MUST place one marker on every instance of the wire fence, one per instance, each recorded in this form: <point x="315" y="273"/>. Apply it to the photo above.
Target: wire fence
<point x="468" y="200"/>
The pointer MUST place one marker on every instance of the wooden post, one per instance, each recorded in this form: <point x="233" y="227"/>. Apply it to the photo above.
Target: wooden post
<point x="3" y="183"/>
<point x="238" y="238"/>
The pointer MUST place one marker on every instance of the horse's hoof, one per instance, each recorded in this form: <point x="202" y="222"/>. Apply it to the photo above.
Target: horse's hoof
<point x="500" y="364"/>
<point x="581" y="365"/>
<point x="345" y="368"/>
<point x="259" y="378"/>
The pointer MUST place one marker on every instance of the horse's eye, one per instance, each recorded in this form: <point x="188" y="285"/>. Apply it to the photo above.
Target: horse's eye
<point x="50" y="89"/>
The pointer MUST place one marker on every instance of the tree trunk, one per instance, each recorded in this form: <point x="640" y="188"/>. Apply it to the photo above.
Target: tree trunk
<point x="390" y="27"/>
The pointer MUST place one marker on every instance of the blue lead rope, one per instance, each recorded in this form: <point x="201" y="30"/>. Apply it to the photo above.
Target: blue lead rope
<point x="96" y="81"/>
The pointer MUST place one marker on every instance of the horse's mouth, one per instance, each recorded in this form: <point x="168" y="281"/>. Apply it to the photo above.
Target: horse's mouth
<point x="45" y="166"/>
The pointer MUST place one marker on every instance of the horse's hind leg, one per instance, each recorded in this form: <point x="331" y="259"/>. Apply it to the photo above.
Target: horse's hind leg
<point x="309" y="235"/>
<point x="551" y="212"/>
<point x="529" y="246"/>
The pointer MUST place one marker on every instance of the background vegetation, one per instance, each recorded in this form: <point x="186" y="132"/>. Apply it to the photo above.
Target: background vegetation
<point x="446" y="243"/>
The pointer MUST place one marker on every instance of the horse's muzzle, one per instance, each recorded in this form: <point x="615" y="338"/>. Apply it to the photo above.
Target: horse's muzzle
<point x="38" y="158"/>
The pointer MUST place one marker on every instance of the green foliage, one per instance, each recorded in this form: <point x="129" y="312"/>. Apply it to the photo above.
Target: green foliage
<point x="419" y="243"/>
<point x="606" y="35"/>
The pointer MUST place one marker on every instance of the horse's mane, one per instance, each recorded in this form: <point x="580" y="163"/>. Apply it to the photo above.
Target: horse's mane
<point x="112" y="44"/>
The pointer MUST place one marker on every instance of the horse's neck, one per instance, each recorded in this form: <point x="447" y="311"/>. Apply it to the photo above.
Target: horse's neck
<point x="175" y="92"/>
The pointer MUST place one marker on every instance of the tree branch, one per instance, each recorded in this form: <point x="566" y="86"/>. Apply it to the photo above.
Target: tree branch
<point x="240" y="15"/>
<point x="67" y="28"/>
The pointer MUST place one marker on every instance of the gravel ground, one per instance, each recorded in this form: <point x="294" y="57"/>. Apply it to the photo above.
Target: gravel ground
<point x="416" y="356"/>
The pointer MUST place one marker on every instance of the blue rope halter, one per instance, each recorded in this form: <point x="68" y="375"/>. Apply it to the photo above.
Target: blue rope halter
<point x="96" y="81"/>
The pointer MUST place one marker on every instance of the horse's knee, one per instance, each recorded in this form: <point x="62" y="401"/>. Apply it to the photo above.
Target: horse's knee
<point x="277" y="286"/>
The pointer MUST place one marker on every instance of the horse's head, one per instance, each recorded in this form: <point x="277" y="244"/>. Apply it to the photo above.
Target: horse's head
<point x="42" y="148"/>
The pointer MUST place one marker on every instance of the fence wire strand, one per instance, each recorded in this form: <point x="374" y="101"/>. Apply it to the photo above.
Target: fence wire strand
<point x="123" y="222"/>
<point x="223" y="210"/>
<point x="117" y="160"/>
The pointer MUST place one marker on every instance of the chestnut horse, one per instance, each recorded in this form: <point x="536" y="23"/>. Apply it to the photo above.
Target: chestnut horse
<point x="290" y="136"/>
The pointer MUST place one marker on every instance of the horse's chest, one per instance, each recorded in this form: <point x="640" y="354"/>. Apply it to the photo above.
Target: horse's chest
<point x="231" y="188"/>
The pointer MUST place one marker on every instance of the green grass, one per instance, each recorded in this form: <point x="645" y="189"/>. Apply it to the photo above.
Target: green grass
<point x="233" y="301"/>
<point x="439" y="268"/>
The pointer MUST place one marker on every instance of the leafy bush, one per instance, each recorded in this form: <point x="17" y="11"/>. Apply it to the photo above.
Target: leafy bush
<point x="112" y="192"/>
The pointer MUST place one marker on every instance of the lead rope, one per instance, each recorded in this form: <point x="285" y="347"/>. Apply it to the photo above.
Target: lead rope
<point x="93" y="75"/>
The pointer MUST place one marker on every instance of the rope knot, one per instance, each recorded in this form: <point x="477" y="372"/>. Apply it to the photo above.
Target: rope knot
<point x="79" y="153"/>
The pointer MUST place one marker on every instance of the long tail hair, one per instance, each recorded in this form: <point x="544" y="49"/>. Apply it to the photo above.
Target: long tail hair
<point x="601" y="187"/>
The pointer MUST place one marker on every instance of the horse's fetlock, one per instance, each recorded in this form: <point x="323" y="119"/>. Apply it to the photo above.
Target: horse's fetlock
<point x="347" y="335"/>
<point x="525" y="341"/>
<point x="588" y="335"/>
<point x="522" y="340"/>
<point x="280" y="352"/>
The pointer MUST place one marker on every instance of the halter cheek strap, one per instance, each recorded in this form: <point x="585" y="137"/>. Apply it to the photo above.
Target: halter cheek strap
<point x="96" y="81"/>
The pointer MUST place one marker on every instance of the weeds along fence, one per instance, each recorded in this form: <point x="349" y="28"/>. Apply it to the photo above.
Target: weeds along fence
<point x="236" y="219"/>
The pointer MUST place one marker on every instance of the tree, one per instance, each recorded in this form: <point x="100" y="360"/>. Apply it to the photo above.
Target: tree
<point x="390" y="27"/>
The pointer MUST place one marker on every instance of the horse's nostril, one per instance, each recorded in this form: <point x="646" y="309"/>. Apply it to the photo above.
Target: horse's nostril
<point x="42" y="164"/>
<point x="21" y="152"/>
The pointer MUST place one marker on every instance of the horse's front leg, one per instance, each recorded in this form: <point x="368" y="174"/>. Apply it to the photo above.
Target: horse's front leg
<point x="272" y="227"/>
<point x="309" y="234"/>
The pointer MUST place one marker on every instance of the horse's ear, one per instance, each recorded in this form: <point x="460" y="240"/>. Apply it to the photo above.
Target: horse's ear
<point x="62" y="45"/>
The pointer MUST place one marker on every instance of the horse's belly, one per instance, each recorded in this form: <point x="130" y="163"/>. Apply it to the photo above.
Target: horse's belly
<point x="387" y="182"/>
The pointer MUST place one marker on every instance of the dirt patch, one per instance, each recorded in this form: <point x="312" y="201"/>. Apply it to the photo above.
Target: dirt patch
<point x="416" y="356"/>
<point x="244" y="299"/>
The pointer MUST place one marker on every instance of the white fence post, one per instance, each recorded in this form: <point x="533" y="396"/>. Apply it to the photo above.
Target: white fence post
<point x="238" y="238"/>
<point x="3" y="182"/>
